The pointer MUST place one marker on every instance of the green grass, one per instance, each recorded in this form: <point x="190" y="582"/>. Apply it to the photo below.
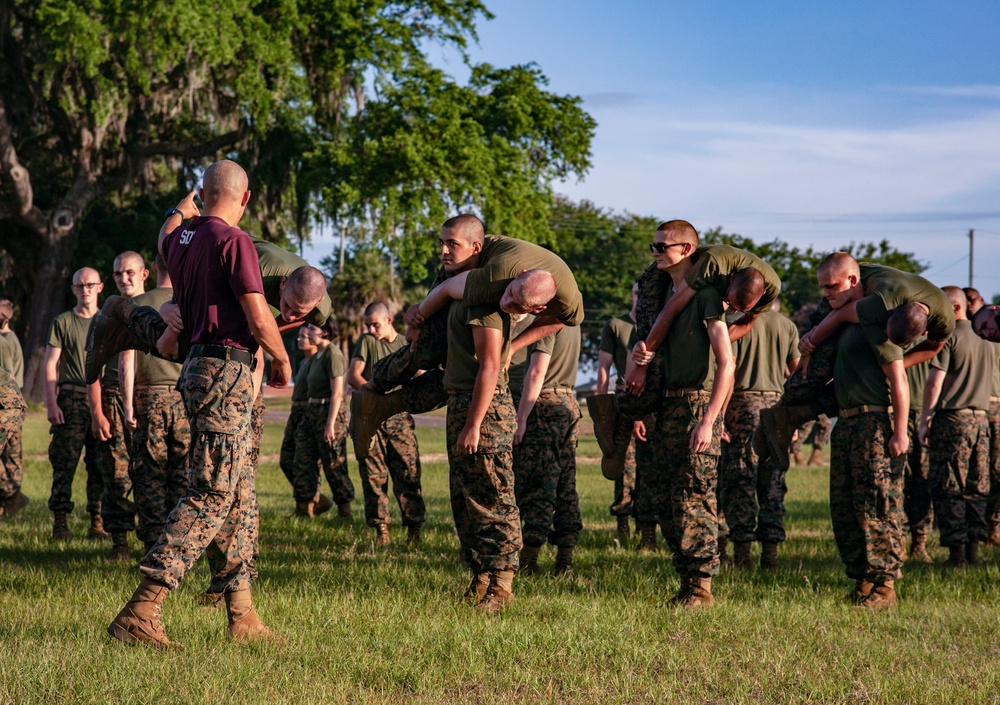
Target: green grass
<point x="384" y="626"/>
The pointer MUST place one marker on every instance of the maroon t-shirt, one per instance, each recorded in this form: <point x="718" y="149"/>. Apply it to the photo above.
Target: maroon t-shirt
<point x="211" y="265"/>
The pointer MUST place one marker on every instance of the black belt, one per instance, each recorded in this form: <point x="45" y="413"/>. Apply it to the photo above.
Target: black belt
<point x="224" y="352"/>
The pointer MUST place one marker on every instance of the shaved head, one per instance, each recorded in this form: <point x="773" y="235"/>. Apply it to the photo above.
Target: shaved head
<point x="907" y="323"/>
<point x="224" y="182"/>
<point x="841" y="263"/>
<point x="680" y="230"/>
<point x="129" y="257"/>
<point x="377" y="309"/>
<point x="745" y="289"/>
<point x="306" y="285"/>
<point x="88" y="272"/>
<point x="466" y="226"/>
<point x="959" y="302"/>
<point x="529" y="292"/>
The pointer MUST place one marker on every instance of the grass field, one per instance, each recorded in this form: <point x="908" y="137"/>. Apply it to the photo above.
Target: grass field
<point x="385" y="626"/>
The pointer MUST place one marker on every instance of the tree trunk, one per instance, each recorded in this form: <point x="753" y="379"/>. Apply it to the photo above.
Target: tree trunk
<point x="48" y="298"/>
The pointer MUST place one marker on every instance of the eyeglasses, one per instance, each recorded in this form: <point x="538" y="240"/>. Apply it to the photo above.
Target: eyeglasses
<point x="86" y="285"/>
<point x="661" y="247"/>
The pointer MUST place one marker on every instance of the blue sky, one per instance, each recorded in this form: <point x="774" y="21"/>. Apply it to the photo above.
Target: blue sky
<point x="816" y="123"/>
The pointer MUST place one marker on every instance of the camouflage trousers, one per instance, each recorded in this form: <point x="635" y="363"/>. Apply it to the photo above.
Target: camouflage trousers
<point x="313" y="454"/>
<point x="218" y="513"/>
<point x="816" y="433"/>
<point x="116" y="508"/>
<point x="146" y="324"/>
<point x="394" y="454"/>
<point x="815" y="388"/>
<point x="160" y="445"/>
<point x="68" y="440"/>
<point x="286" y="458"/>
<point x="646" y="502"/>
<point x="482" y="485"/>
<point x="744" y="482"/>
<point x="917" y="505"/>
<point x="993" y="501"/>
<point x="866" y="497"/>
<point x="625" y="485"/>
<point x="545" y="471"/>
<point x="12" y="410"/>
<point x="959" y="474"/>
<point x="686" y="492"/>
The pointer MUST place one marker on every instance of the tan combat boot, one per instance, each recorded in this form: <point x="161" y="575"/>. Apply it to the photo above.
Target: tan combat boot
<point x="699" y="594"/>
<point x="564" y="561"/>
<point x="305" y="509"/>
<point x="956" y="558"/>
<point x="682" y="592"/>
<point x="414" y="535"/>
<point x="369" y="410"/>
<point x="815" y="460"/>
<point x="344" y="511"/>
<point x="862" y="588"/>
<point x="741" y="554"/>
<point x="244" y="622"/>
<point x="797" y="459"/>
<point x="647" y="542"/>
<point x="528" y="560"/>
<point x="322" y="505"/>
<point x="769" y="555"/>
<point x="918" y="549"/>
<point x="477" y="588"/>
<point x="139" y="621"/>
<point x="96" y="530"/>
<point x="382" y="539"/>
<point x="972" y="553"/>
<point x="603" y="409"/>
<point x="119" y="547"/>
<point x="993" y="536"/>
<point x="60" y="527"/>
<point x="624" y="530"/>
<point x="498" y="594"/>
<point x="725" y="560"/>
<point x="881" y="597"/>
<point x="13" y="504"/>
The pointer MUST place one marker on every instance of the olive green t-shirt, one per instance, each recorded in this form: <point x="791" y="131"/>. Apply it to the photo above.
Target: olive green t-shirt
<point x="967" y="361"/>
<point x="68" y="331"/>
<point x="300" y="390"/>
<point x="463" y="365"/>
<point x="858" y="378"/>
<point x="150" y="369"/>
<point x="370" y="350"/>
<point x="276" y="263"/>
<point x="329" y="364"/>
<point x="614" y="341"/>
<point x="763" y="353"/>
<point x="687" y="353"/>
<point x="916" y="375"/>
<point x="11" y="356"/>
<point x="712" y="265"/>
<point x="887" y="288"/>
<point x="503" y="258"/>
<point x="995" y="391"/>
<point x="563" y="348"/>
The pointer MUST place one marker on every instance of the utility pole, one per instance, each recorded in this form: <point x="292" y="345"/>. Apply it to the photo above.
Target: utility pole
<point x="972" y="239"/>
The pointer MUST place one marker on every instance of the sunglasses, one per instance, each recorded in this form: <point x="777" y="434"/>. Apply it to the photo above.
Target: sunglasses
<point x="661" y="247"/>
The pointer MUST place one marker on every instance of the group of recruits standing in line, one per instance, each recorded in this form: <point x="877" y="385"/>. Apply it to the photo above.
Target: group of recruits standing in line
<point x="703" y="321"/>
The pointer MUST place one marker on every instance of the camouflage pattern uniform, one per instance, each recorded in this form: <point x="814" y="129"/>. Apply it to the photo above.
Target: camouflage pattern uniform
<point x="116" y="508"/>
<point x="744" y="480"/>
<point x="866" y="497"/>
<point x="917" y="504"/>
<point x="816" y="433"/>
<point x="331" y="456"/>
<point x="67" y="441"/>
<point x="993" y="418"/>
<point x="160" y="445"/>
<point x="647" y="492"/>
<point x="12" y="410"/>
<point x="300" y="400"/>
<point x="218" y="513"/>
<point x="482" y="485"/>
<point x="615" y="338"/>
<point x="394" y="453"/>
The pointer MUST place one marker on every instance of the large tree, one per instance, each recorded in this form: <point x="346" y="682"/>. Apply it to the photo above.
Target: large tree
<point x="331" y="104"/>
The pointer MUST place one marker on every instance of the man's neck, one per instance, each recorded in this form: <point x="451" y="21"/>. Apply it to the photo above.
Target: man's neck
<point x="85" y="311"/>
<point x="678" y="271"/>
<point x="391" y="336"/>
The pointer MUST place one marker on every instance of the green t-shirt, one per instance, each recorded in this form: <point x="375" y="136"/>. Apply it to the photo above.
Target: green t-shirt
<point x="614" y="341"/>
<point x="967" y="361"/>
<point x="276" y="263"/>
<point x="886" y="289"/>
<point x="763" y="353"/>
<point x="858" y="378"/>
<point x="687" y="353"/>
<point x="329" y="364"/>
<point x="712" y="265"/>
<point x="995" y="391"/>
<point x="917" y="377"/>
<point x="503" y="258"/>
<point x="68" y="332"/>
<point x="563" y="347"/>
<point x="370" y="350"/>
<point x="11" y="356"/>
<point x="463" y="365"/>
<point x="150" y="369"/>
<point x="300" y="390"/>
